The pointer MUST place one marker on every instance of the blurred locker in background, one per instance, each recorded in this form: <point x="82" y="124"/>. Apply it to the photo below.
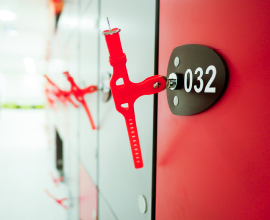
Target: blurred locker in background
<point x="24" y="164"/>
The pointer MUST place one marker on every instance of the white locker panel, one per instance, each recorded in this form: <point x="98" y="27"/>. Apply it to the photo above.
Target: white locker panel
<point x="57" y="116"/>
<point x="84" y="4"/>
<point x="119" y="181"/>
<point x="68" y="21"/>
<point x="64" y="57"/>
<point x="105" y="211"/>
<point x="55" y="73"/>
<point x="88" y="64"/>
<point x="71" y="143"/>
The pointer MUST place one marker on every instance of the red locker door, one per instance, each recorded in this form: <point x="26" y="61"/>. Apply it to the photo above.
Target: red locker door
<point x="216" y="164"/>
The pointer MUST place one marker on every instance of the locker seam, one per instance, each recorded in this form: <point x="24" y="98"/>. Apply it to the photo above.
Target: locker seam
<point x="86" y="7"/>
<point x="78" y="112"/>
<point x="98" y="105"/>
<point x="155" y="113"/>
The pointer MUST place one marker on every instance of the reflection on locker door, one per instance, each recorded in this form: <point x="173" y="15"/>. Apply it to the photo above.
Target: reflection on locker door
<point x="71" y="141"/>
<point x="215" y="165"/>
<point x="88" y="63"/>
<point x="88" y="69"/>
<point x="87" y="196"/>
<point x="120" y="184"/>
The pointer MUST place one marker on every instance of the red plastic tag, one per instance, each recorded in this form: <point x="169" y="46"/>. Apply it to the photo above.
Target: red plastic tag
<point x="79" y="95"/>
<point x="63" y="96"/>
<point x="56" y="180"/>
<point x="59" y="201"/>
<point x="125" y="95"/>
<point x="50" y="97"/>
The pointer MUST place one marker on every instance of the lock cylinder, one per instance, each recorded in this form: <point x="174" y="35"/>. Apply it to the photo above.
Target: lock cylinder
<point x="175" y="81"/>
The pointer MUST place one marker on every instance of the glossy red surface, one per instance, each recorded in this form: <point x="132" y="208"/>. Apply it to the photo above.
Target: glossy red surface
<point x="88" y="196"/>
<point x="216" y="165"/>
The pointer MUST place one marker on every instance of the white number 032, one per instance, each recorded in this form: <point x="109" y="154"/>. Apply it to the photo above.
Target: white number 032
<point x="199" y="72"/>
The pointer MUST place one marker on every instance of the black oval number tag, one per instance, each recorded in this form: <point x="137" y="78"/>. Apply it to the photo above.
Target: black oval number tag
<point x="199" y="70"/>
<point x="205" y="79"/>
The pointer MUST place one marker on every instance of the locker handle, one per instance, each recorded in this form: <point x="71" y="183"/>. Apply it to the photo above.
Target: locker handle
<point x="59" y="201"/>
<point x="62" y="95"/>
<point x="126" y="92"/>
<point x="79" y="94"/>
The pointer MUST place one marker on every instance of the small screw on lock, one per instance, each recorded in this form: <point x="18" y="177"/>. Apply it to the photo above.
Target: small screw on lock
<point x="104" y="86"/>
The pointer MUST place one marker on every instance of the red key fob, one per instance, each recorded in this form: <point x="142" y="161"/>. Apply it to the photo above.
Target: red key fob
<point x="79" y="95"/>
<point x="126" y="94"/>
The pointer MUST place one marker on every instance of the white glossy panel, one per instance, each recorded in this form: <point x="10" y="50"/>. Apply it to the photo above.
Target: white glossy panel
<point x="119" y="181"/>
<point x="68" y="21"/>
<point x="89" y="76"/>
<point x="71" y="142"/>
<point x="105" y="211"/>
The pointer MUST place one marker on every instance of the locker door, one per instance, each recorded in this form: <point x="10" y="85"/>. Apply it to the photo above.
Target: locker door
<point x="120" y="184"/>
<point x="66" y="55"/>
<point x="105" y="211"/>
<point x="88" y="196"/>
<point x="89" y="76"/>
<point x="88" y="137"/>
<point x="71" y="142"/>
<point x="68" y="22"/>
<point x="58" y="122"/>
<point x="215" y="165"/>
<point x="58" y="114"/>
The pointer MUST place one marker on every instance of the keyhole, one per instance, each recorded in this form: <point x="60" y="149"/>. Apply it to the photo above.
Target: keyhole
<point x="119" y="82"/>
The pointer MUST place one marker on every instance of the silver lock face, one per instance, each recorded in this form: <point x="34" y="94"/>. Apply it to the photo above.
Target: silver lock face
<point x="175" y="81"/>
<point x="172" y="81"/>
<point x="105" y="86"/>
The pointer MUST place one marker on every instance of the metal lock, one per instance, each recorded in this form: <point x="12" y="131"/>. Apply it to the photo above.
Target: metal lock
<point x="197" y="78"/>
<point x="104" y="86"/>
